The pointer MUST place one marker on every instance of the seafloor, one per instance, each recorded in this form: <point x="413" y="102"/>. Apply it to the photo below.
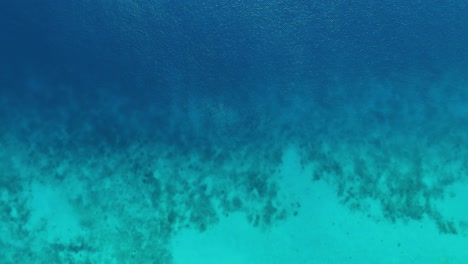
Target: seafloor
<point x="369" y="174"/>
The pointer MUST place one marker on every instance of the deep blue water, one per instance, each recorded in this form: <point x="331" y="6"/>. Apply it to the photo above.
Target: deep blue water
<point x="154" y="51"/>
<point x="363" y="89"/>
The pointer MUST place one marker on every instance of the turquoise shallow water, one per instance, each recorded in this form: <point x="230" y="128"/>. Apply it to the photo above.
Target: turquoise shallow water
<point x="335" y="186"/>
<point x="233" y="132"/>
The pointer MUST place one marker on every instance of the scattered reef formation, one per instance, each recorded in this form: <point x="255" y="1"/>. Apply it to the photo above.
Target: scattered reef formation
<point x="101" y="186"/>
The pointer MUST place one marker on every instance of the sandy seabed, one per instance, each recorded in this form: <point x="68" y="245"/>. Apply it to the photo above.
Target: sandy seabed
<point x="107" y="209"/>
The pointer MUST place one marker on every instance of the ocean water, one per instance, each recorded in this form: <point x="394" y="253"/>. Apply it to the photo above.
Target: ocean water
<point x="185" y="132"/>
